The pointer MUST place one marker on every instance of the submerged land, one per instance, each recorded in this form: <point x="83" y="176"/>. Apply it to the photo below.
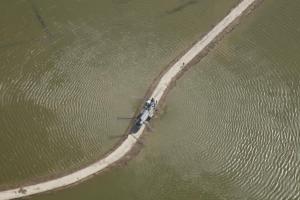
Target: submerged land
<point x="130" y="141"/>
<point x="244" y="107"/>
<point x="64" y="91"/>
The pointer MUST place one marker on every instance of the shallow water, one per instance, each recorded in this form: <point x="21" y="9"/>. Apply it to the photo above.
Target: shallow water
<point x="230" y="128"/>
<point x="70" y="68"/>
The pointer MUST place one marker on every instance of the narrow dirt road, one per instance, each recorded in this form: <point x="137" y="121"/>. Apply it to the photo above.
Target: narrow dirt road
<point x="130" y="141"/>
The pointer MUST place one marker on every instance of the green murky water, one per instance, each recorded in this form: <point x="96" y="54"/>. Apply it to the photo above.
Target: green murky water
<point x="70" y="68"/>
<point x="230" y="129"/>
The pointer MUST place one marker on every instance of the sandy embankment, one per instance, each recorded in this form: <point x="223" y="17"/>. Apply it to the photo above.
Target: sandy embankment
<point x="130" y="141"/>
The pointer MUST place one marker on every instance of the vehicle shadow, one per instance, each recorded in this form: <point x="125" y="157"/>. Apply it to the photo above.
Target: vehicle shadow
<point x="134" y="129"/>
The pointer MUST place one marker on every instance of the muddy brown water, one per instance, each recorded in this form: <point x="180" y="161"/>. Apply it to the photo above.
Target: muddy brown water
<point x="230" y="128"/>
<point x="69" y="69"/>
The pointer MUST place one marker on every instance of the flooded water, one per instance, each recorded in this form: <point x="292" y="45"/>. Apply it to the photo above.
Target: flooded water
<point x="230" y="128"/>
<point x="70" y="68"/>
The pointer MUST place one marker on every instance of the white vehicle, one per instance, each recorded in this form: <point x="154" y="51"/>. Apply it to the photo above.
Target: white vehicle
<point x="146" y="114"/>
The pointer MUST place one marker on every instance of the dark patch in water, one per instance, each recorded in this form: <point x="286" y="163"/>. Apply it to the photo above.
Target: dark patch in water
<point x="181" y="7"/>
<point x="40" y="18"/>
